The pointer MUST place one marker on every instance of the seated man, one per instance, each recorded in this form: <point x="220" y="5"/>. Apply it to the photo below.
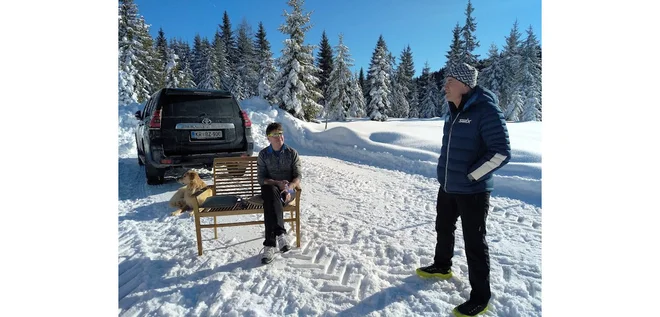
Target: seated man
<point x="278" y="173"/>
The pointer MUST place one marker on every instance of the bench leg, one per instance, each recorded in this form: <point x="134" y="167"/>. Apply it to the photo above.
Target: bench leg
<point x="215" y="229"/>
<point x="298" y="227"/>
<point x="198" y="231"/>
<point x="291" y="224"/>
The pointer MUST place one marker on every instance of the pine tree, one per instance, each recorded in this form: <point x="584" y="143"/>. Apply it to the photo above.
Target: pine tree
<point x="400" y="104"/>
<point x="182" y="50"/>
<point x="455" y="56"/>
<point x="394" y="109"/>
<point x="247" y="66"/>
<point x="414" y="103"/>
<point x="430" y="95"/>
<point x="358" y="104"/>
<point x="531" y="78"/>
<point x="362" y="82"/>
<point x="324" y="63"/>
<point x="469" y="39"/>
<point x="296" y="89"/>
<point x="421" y="83"/>
<point x="137" y="67"/>
<point x="514" y="110"/>
<point x="378" y="83"/>
<point x="339" y="84"/>
<point x="234" y="81"/>
<point x="186" y="79"/>
<point x="162" y="58"/>
<point x="456" y="53"/>
<point x="267" y="71"/>
<point x="197" y="58"/>
<point x="208" y="77"/>
<point x="367" y="85"/>
<point x="149" y="65"/>
<point x="128" y="45"/>
<point x="491" y="76"/>
<point x="407" y="74"/>
<point x="511" y="90"/>
<point x="184" y="73"/>
<point x="222" y="64"/>
<point x="228" y="39"/>
<point x="172" y="69"/>
<point x="441" y="108"/>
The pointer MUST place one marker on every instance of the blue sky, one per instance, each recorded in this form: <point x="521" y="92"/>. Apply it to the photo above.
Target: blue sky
<point x="425" y="25"/>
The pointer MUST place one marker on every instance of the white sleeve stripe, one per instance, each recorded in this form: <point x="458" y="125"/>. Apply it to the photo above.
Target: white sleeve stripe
<point x="488" y="166"/>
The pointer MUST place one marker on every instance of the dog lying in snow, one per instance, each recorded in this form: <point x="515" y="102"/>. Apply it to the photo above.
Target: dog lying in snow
<point x="183" y="198"/>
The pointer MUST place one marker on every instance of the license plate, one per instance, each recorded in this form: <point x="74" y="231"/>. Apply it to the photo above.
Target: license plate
<point x="205" y="134"/>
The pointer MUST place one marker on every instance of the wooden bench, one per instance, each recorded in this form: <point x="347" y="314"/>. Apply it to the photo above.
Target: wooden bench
<point x="237" y="176"/>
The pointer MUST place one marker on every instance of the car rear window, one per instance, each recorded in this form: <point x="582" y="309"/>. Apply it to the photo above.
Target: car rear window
<point x="182" y="106"/>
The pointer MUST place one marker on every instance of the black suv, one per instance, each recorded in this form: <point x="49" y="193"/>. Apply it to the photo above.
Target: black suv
<point x="187" y="128"/>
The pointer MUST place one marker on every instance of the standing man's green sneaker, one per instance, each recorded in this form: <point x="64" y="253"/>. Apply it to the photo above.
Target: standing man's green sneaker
<point x="433" y="271"/>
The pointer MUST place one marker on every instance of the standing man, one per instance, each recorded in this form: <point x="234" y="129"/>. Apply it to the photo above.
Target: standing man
<point x="278" y="173"/>
<point x="475" y="143"/>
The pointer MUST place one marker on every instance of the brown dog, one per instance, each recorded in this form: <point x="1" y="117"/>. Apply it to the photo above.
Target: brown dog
<point x="183" y="198"/>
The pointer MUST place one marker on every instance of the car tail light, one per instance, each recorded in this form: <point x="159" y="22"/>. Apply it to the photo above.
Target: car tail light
<point x="166" y="161"/>
<point x="246" y="120"/>
<point x="155" y="120"/>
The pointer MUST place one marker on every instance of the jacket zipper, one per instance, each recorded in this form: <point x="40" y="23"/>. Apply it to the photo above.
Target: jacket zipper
<point x="448" y="145"/>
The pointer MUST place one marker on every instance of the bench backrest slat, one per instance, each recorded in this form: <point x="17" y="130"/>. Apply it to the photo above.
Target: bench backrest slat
<point x="235" y="176"/>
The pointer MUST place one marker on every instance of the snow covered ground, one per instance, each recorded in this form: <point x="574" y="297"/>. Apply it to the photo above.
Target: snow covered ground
<point x="368" y="212"/>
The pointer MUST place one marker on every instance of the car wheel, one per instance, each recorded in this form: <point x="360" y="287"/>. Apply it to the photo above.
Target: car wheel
<point x="138" y="153"/>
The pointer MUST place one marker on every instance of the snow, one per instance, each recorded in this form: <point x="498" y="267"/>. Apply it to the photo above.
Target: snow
<point x="368" y="214"/>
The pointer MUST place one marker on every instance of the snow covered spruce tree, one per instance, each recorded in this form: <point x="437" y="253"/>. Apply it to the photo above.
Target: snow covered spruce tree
<point x="221" y="63"/>
<point x="162" y="59"/>
<point x="400" y="105"/>
<point x="491" y="76"/>
<point x="340" y="93"/>
<point x="235" y="82"/>
<point x="246" y="63"/>
<point x="149" y="64"/>
<point x="531" y="78"/>
<point x="208" y="67"/>
<point x="406" y="71"/>
<point x="296" y="89"/>
<point x="197" y="58"/>
<point x="267" y="71"/>
<point x="430" y="95"/>
<point x="185" y="74"/>
<point x="455" y="56"/>
<point x="169" y="62"/>
<point x="358" y="104"/>
<point x="512" y="90"/>
<point x="186" y="79"/>
<point x="171" y="69"/>
<point x="469" y="39"/>
<point x="133" y="82"/>
<point x="414" y="103"/>
<point x="379" y="83"/>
